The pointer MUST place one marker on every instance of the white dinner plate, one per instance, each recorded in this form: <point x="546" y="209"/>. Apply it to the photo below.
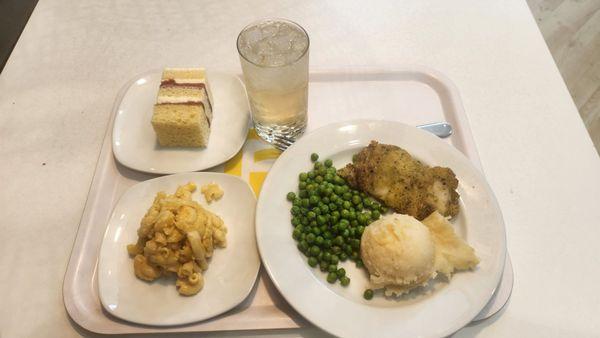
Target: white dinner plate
<point x="436" y="312"/>
<point x="135" y="144"/>
<point x="231" y="272"/>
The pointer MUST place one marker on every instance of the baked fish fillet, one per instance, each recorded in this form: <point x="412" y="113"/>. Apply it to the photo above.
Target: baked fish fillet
<point x="390" y="174"/>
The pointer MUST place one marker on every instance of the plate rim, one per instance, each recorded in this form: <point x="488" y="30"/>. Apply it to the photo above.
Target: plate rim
<point x="123" y="160"/>
<point x="246" y="293"/>
<point x="268" y="268"/>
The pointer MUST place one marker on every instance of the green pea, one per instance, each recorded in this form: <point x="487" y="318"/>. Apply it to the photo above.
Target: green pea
<point x="315" y="230"/>
<point x="341" y="272"/>
<point x="343" y="257"/>
<point x="312" y="261"/>
<point x="319" y="240"/>
<point x="376" y="214"/>
<point x="335" y="228"/>
<point x="348" y="249"/>
<point x="359" y="263"/>
<point x="290" y="196"/>
<point x="314" y="157"/>
<point x="346" y="233"/>
<point x="334" y="260"/>
<point x="352" y="217"/>
<point x="314" y="250"/>
<point x="302" y="176"/>
<point x="347" y="196"/>
<point x="383" y="209"/>
<point x="343" y="226"/>
<point x="344" y="281"/>
<point x="352" y="232"/>
<point x="295" y="210"/>
<point x="313" y="200"/>
<point x="311" y="215"/>
<point x="296" y="234"/>
<point x="327" y="243"/>
<point x="302" y="237"/>
<point x="305" y="203"/>
<point x="345" y="213"/>
<point x="295" y="221"/>
<point x="312" y="224"/>
<point x="331" y="277"/>
<point x="347" y="205"/>
<point x="360" y="229"/>
<point x="355" y="200"/>
<point x="323" y="266"/>
<point x="332" y="267"/>
<point x="328" y="163"/>
<point x="311" y="175"/>
<point x="303" y="245"/>
<point x="339" y="240"/>
<point x="325" y="200"/>
<point x="300" y="248"/>
<point x="321" y="220"/>
<point x="368" y="294"/>
<point x="336" y="249"/>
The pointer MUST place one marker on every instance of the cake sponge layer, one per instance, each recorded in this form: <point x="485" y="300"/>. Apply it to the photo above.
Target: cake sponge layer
<point x="181" y="125"/>
<point x="181" y="94"/>
<point x="184" y="75"/>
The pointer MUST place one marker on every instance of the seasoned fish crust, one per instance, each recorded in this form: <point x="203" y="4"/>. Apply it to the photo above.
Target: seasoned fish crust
<point x="390" y="174"/>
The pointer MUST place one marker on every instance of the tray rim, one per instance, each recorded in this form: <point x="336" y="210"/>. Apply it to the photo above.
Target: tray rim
<point x="433" y="78"/>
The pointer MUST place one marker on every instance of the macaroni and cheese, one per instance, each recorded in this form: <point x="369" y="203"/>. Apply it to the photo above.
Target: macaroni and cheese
<point x="176" y="237"/>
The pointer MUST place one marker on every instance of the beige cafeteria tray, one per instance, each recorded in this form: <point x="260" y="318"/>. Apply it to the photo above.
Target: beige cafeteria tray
<point x="413" y="95"/>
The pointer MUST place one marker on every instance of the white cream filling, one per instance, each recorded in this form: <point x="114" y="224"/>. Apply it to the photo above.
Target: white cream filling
<point x="178" y="99"/>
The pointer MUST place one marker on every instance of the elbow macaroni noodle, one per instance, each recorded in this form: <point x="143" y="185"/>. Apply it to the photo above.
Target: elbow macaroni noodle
<point x="176" y="237"/>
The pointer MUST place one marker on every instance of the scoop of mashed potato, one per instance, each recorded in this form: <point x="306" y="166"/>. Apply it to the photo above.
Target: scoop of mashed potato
<point x="399" y="253"/>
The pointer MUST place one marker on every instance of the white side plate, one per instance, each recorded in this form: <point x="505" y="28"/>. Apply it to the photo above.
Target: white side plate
<point x="231" y="273"/>
<point x="135" y="144"/>
<point x="342" y="311"/>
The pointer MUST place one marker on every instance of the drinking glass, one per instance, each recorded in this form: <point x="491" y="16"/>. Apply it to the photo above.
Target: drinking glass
<point x="274" y="58"/>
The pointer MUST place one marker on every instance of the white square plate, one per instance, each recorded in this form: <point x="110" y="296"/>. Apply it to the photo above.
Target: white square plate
<point x="231" y="273"/>
<point x="134" y="141"/>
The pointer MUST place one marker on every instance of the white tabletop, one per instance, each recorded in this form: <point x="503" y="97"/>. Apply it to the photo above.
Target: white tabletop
<point x="58" y="87"/>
